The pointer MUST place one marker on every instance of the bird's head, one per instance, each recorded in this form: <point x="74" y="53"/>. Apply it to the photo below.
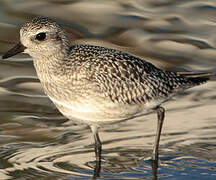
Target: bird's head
<point x="40" y="37"/>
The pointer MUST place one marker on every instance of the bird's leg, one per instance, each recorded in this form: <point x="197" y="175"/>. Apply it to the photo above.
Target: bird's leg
<point x="98" y="148"/>
<point x="160" y="115"/>
<point x="98" y="145"/>
<point x="154" y="169"/>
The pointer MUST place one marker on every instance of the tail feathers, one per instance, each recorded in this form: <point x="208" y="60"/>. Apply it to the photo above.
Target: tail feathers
<point x="197" y="77"/>
<point x="198" y="80"/>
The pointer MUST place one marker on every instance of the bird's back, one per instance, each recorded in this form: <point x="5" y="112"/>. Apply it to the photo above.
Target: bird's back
<point x="127" y="79"/>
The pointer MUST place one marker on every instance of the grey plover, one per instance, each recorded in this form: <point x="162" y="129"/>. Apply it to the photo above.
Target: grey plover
<point x="97" y="85"/>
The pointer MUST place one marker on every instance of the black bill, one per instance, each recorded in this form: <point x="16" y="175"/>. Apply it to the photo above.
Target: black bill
<point x="15" y="50"/>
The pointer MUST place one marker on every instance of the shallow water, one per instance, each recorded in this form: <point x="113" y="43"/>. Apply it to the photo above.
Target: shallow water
<point x="37" y="142"/>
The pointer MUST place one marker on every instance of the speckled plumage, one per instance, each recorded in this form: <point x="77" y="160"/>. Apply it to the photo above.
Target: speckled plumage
<point x="96" y="84"/>
<point x="127" y="79"/>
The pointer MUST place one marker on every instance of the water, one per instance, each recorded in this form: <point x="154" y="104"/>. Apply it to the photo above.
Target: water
<point x="37" y="142"/>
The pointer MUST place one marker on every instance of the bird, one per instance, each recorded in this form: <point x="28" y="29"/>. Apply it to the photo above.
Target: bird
<point x="96" y="85"/>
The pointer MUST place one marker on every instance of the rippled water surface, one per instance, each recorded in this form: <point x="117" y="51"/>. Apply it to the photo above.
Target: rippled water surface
<point x="37" y="142"/>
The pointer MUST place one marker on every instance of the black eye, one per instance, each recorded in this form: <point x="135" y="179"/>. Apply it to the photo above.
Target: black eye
<point x="41" y="36"/>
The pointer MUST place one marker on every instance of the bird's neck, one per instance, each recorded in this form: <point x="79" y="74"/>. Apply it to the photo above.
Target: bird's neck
<point x="50" y="66"/>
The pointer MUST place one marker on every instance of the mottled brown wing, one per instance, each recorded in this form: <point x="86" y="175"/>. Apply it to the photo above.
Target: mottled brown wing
<point x="129" y="80"/>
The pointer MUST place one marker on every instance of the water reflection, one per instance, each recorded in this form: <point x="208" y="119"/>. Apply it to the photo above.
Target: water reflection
<point x="37" y="142"/>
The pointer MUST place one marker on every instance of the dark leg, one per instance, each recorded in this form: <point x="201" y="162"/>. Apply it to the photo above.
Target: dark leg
<point x="154" y="169"/>
<point x="98" y="148"/>
<point x="97" y="170"/>
<point x="160" y="115"/>
<point x="98" y="145"/>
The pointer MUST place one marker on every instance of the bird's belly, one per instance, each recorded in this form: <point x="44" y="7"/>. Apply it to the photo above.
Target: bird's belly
<point x="98" y="111"/>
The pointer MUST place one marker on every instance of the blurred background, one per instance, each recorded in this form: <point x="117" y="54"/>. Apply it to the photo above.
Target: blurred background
<point x="37" y="142"/>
